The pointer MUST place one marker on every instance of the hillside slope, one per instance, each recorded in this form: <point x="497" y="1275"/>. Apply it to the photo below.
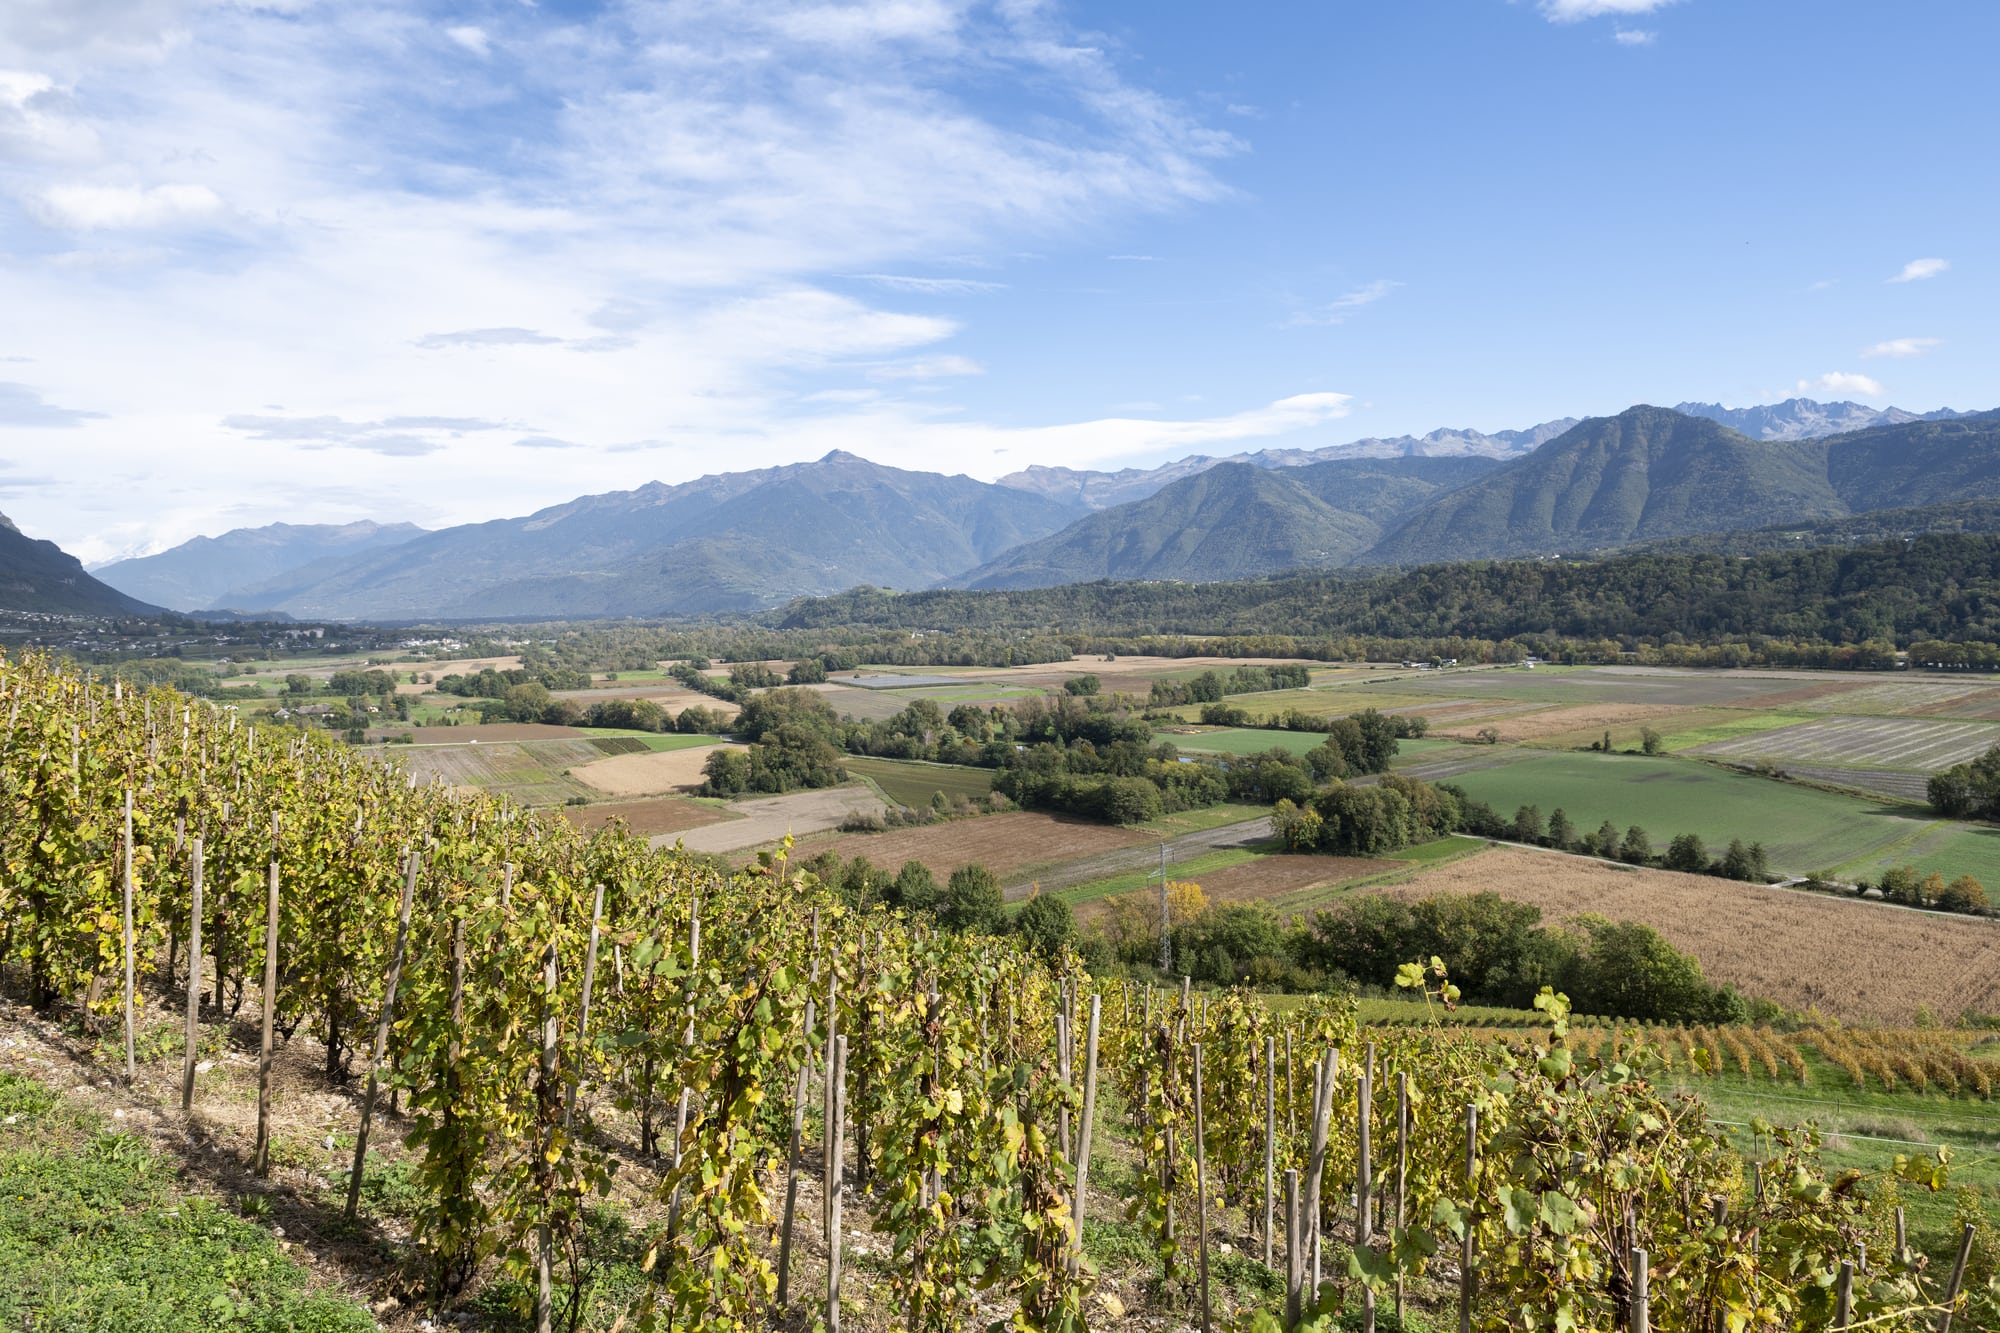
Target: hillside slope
<point x="1234" y="520"/>
<point x="204" y="573"/>
<point x="1645" y="474"/>
<point x="40" y="576"/>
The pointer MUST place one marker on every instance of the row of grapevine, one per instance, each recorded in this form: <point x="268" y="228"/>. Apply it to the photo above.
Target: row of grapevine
<point x="558" y="1013"/>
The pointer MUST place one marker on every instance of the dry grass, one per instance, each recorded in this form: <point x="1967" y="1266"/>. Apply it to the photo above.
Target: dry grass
<point x="667" y="814"/>
<point x="1852" y="960"/>
<point x="648" y="774"/>
<point x="1557" y="721"/>
<point x="1005" y="844"/>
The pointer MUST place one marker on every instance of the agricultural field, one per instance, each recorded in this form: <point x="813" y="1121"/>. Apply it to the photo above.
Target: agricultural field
<point x="1910" y="698"/>
<point x="1803" y="829"/>
<point x="649" y="772"/>
<point x="1586" y="720"/>
<point x="1882" y="742"/>
<point x="910" y="783"/>
<point x="1010" y="845"/>
<point x="530" y="772"/>
<point x="1851" y="960"/>
<point x="759" y="820"/>
<point x="1241" y="740"/>
<point x="650" y="818"/>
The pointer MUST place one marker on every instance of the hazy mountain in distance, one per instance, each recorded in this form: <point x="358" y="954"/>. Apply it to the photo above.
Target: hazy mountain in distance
<point x="1234" y="520"/>
<point x="1804" y="419"/>
<point x="206" y="572"/>
<point x="41" y="576"/>
<point x="1101" y="490"/>
<point x="719" y="544"/>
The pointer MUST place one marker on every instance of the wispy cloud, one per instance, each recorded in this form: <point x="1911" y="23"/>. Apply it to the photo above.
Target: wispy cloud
<point x="1341" y="307"/>
<point x="23" y="406"/>
<point x="929" y="368"/>
<point x="97" y="207"/>
<point x="1902" y="348"/>
<point x="392" y="437"/>
<point x="1135" y="259"/>
<point x="1635" y="37"/>
<point x="501" y="337"/>
<point x="1574" y="11"/>
<point x="473" y="39"/>
<point x="1919" y="269"/>
<point x="897" y="282"/>
<point x="1837" y="381"/>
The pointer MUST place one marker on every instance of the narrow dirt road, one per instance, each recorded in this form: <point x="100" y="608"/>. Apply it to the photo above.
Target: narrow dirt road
<point x="1145" y="856"/>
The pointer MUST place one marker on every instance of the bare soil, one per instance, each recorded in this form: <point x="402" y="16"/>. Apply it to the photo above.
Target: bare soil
<point x="487" y="733"/>
<point x="649" y="774"/>
<point x="1852" y="960"/>
<point x="1005" y="844"/>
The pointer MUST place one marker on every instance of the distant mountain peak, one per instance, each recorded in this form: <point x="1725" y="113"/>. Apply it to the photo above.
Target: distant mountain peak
<point x="1806" y="418"/>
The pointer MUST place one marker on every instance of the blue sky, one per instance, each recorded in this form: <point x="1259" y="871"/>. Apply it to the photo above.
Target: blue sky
<point x="315" y="261"/>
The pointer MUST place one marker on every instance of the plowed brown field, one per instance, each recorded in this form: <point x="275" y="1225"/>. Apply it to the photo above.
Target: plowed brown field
<point x="668" y="814"/>
<point x="1856" y="961"/>
<point x="1555" y="721"/>
<point x="1004" y="844"/>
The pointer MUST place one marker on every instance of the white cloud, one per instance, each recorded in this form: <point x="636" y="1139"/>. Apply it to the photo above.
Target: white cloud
<point x="897" y="282"/>
<point x="1574" y="11"/>
<point x="1337" y="310"/>
<point x="677" y="190"/>
<point x="23" y="406"/>
<point x="473" y="39"/>
<point x="93" y="207"/>
<point x="1902" y="348"/>
<point x="930" y="368"/>
<point x="1634" y="37"/>
<point x="1837" y="381"/>
<point x="1919" y="269"/>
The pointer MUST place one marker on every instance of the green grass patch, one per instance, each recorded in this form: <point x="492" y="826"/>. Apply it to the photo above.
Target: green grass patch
<point x="1133" y="880"/>
<point x="1708" y="731"/>
<point x="96" y="1235"/>
<point x="1947" y="848"/>
<point x="1245" y="740"/>
<point x="653" y="740"/>
<point x="910" y="782"/>
<point x="1208" y="817"/>
<point x="1802" y="828"/>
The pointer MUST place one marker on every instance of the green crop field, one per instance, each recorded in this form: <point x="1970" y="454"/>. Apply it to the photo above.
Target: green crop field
<point x="654" y="740"/>
<point x="1802" y="828"/>
<point x="1686" y="731"/>
<point x="907" y="782"/>
<point x="1245" y="740"/>
<point x="1949" y="849"/>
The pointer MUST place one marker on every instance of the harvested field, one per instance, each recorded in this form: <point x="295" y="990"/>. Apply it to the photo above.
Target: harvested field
<point x="1921" y="744"/>
<point x="1811" y="692"/>
<point x="529" y="772"/>
<point x="1556" y="721"/>
<point x="650" y="773"/>
<point x="1271" y="876"/>
<point x="1898" y="697"/>
<point x="768" y="818"/>
<point x="666" y="814"/>
<point x="909" y="782"/>
<point x="1621" y="684"/>
<point x="672" y="697"/>
<point x="464" y="666"/>
<point x="1888" y="783"/>
<point x="1853" y="960"/>
<point x="1005" y="844"/>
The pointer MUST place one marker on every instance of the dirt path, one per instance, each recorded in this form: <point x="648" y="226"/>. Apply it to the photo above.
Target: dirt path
<point x="1145" y="856"/>
<point x="769" y="818"/>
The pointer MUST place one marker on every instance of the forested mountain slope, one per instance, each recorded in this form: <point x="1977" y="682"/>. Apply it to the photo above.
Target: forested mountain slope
<point x="41" y="576"/>
<point x="205" y="573"/>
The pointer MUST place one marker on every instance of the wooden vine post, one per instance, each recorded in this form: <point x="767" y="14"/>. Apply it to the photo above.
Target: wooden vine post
<point x="583" y="1015"/>
<point x="1468" y="1276"/>
<point x="1294" y="1252"/>
<point x="1270" y="1140"/>
<point x="260" y="1157"/>
<point x="1642" y="1298"/>
<point x="1957" y="1279"/>
<point x="1402" y="1173"/>
<point x="836" y="1147"/>
<point x="194" y="983"/>
<point x="1083" y="1131"/>
<point x="1201" y="1194"/>
<point x="381" y="1036"/>
<point x="1364" y="1187"/>
<point x="792" y="1156"/>
<point x="131" y="1060"/>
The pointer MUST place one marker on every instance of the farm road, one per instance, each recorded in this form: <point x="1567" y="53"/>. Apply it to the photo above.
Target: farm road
<point x="1145" y="856"/>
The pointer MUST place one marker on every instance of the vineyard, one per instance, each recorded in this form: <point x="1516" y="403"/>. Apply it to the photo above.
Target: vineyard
<point x="762" y="1077"/>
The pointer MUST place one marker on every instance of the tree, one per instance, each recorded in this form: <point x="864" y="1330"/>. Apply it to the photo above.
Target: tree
<point x="807" y="671"/>
<point x="1607" y="839"/>
<point x="1637" y="849"/>
<point x="1082" y="685"/>
<point x="1736" y="862"/>
<point x="1686" y="853"/>
<point x="1562" y="834"/>
<point x="728" y="772"/>
<point x="914" y="889"/>
<point x="1489" y="735"/>
<point x="1627" y="969"/>
<point x="1964" y="894"/>
<point x="1129" y="800"/>
<point x="1902" y="884"/>
<point x="1651" y="741"/>
<point x="1046" y="925"/>
<point x="1528" y="825"/>
<point x="972" y="902"/>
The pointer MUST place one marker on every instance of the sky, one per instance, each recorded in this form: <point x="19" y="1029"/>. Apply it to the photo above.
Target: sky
<point x="325" y="260"/>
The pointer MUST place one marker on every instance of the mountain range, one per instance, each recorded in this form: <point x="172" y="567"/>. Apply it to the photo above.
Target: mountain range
<point x="42" y="577"/>
<point x="202" y="573"/>
<point x="737" y="542"/>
